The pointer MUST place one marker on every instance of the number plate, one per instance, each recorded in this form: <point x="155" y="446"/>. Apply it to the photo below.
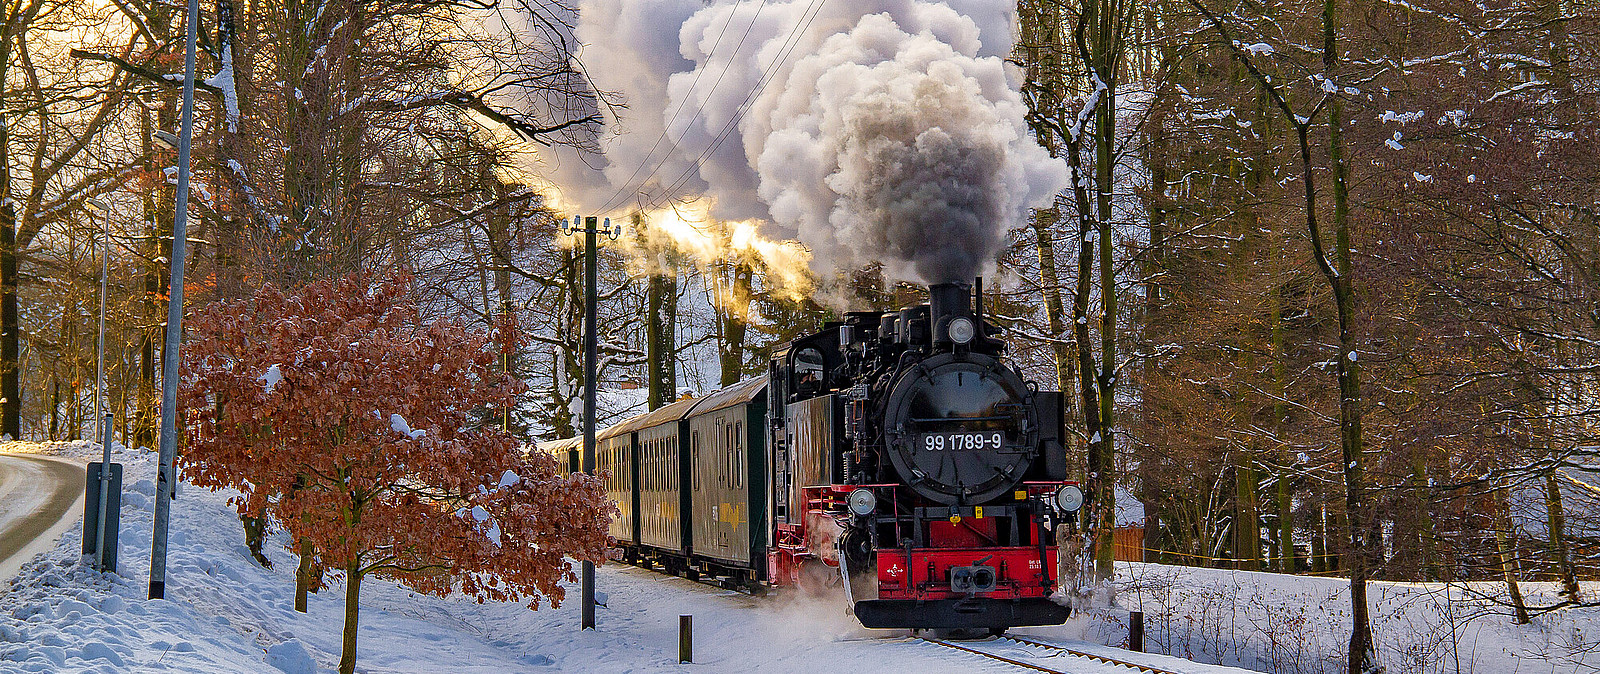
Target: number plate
<point x="962" y="442"/>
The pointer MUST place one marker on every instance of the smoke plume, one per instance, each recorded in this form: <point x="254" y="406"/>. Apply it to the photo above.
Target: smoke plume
<point x="884" y="131"/>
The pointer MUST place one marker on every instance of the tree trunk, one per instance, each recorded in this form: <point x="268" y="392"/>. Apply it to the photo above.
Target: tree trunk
<point x="1502" y="529"/>
<point x="1101" y="498"/>
<point x="10" y="390"/>
<point x="498" y="230"/>
<point x="1282" y="496"/>
<point x="1426" y="564"/>
<point x="1040" y="26"/>
<point x="302" y="576"/>
<point x="1557" y="524"/>
<point x="1106" y="63"/>
<point x="735" y="323"/>
<point x="1247" y="528"/>
<point x="661" y="339"/>
<point x="352" y="613"/>
<point x="230" y="236"/>
<point x="1362" y="534"/>
<point x="55" y="409"/>
<point x="1285" y="531"/>
<point x="1319" y="542"/>
<point x="1044" y="221"/>
<point x="10" y="367"/>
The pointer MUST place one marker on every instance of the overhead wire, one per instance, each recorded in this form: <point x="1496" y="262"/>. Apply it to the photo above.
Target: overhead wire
<point x="625" y="187"/>
<point x="662" y="136"/>
<point x="814" y="9"/>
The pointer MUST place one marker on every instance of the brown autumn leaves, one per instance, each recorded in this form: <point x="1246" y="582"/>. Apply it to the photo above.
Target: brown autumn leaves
<point x="364" y="433"/>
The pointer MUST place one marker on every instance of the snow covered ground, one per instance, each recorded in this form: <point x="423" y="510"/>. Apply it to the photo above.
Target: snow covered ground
<point x="1301" y="625"/>
<point x="226" y="614"/>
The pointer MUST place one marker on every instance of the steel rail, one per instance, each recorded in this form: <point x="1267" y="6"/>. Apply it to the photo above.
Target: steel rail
<point x="992" y="656"/>
<point x="1102" y="658"/>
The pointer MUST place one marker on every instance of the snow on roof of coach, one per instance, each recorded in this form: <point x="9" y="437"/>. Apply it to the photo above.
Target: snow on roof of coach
<point x="673" y="412"/>
<point x="735" y="394"/>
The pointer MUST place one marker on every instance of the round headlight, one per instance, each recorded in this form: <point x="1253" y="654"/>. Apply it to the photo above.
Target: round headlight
<point x="1069" y="499"/>
<point x="961" y="330"/>
<point x="862" y="502"/>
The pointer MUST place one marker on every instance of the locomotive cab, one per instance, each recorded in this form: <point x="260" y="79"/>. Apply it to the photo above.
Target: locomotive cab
<point x="918" y="470"/>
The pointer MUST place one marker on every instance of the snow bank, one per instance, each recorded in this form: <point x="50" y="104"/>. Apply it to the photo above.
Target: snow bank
<point x="1301" y="624"/>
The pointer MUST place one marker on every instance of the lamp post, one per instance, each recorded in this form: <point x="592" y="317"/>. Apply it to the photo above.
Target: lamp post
<point x="590" y="355"/>
<point x="102" y="410"/>
<point x="165" y="473"/>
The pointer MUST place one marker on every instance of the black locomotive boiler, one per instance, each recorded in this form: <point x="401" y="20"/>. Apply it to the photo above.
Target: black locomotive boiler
<point x="896" y="455"/>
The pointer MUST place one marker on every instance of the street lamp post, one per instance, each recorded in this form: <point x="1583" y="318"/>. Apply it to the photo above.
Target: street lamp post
<point x="103" y="410"/>
<point x="165" y="473"/>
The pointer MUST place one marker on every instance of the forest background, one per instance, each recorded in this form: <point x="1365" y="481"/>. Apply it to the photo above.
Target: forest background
<point x="1325" y="287"/>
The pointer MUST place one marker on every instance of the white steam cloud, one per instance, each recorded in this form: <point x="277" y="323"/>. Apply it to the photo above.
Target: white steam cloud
<point x="887" y="131"/>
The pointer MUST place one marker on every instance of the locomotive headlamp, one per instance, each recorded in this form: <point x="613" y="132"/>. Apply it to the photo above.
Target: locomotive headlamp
<point x="1069" y="499"/>
<point x="863" y="502"/>
<point x="961" y="330"/>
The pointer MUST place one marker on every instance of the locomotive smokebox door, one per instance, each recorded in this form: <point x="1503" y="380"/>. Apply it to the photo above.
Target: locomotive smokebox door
<point x="960" y="428"/>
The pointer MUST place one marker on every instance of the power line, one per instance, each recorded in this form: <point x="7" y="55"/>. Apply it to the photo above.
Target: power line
<point x="625" y="188"/>
<point x="663" y="134"/>
<point x="814" y="9"/>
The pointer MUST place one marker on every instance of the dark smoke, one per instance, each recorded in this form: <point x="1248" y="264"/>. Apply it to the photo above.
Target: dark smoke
<point x="928" y="202"/>
<point x="890" y="131"/>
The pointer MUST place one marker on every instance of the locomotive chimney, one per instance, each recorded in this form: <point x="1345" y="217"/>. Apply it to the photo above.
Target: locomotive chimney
<point x="947" y="302"/>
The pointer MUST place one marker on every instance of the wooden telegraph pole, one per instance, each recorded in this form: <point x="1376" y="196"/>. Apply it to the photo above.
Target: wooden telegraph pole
<point x="591" y="229"/>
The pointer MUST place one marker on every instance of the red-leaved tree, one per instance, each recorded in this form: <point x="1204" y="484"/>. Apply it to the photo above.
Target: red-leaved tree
<point x="367" y="435"/>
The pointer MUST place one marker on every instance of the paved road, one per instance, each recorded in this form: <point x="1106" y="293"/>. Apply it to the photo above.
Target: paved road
<point x="36" y="495"/>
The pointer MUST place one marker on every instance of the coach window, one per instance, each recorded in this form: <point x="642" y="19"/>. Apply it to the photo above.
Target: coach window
<point x="694" y="447"/>
<point x="738" y="458"/>
<point x="727" y="451"/>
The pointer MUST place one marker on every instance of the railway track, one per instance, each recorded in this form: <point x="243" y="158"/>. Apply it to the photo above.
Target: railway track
<point x="1051" y="651"/>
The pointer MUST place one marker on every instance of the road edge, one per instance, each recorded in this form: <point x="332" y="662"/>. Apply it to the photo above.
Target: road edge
<point x="52" y="535"/>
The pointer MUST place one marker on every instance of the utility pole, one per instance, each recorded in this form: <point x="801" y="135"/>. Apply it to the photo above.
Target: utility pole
<point x="590" y="353"/>
<point x="166" y="474"/>
<point x="591" y="232"/>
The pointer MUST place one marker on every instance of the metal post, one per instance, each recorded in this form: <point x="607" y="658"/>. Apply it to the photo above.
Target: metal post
<point x="686" y="638"/>
<point x="165" y="473"/>
<point x="1136" y="631"/>
<point x="104" y="413"/>
<point x="590" y="349"/>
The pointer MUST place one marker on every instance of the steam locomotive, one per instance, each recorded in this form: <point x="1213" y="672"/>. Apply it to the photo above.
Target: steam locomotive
<point x="893" y="455"/>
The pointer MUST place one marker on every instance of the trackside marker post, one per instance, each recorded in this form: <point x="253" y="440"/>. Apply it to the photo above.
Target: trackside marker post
<point x="1136" y="631"/>
<point x="685" y="638"/>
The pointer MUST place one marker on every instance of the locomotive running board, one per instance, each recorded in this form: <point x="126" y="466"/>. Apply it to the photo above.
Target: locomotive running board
<point x="954" y="613"/>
